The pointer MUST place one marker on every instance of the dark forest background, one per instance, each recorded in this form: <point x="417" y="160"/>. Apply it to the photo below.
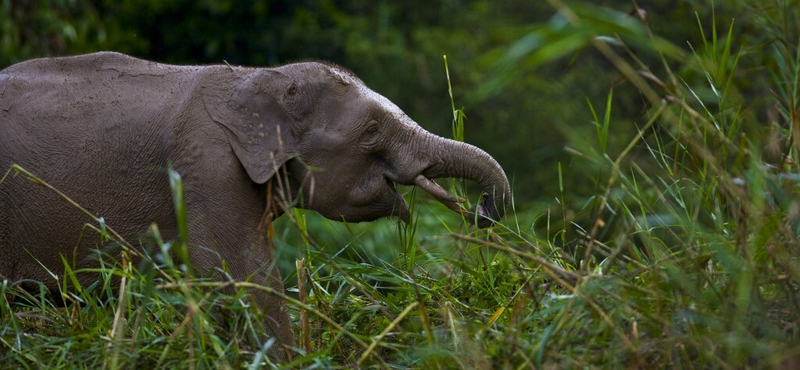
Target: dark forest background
<point x="654" y="153"/>
<point x="524" y="109"/>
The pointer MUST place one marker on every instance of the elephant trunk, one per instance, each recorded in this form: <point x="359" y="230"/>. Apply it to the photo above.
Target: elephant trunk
<point x="450" y="158"/>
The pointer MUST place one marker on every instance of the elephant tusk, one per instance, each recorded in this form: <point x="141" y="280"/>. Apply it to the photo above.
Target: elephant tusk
<point x="449" y="200"/>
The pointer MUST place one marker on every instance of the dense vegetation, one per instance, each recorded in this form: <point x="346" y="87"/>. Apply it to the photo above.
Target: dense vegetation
<point x="654" y="154"/>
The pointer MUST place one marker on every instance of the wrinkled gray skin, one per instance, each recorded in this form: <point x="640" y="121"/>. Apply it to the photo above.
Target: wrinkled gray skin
<point x="102" y="128"/>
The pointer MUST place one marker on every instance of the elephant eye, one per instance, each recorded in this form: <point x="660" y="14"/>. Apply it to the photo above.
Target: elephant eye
<point x="371" y="135"/>
<point x="372" y="129"/>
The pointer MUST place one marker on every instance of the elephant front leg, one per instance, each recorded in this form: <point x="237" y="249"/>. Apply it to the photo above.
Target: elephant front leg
<point x="250" y="259"/>
<point x="259" y="267"/>
<point x="227" y="218"/>
<point x="277" y="320"/>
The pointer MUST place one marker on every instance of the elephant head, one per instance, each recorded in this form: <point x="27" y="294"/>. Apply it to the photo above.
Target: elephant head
<point x="343" y="146"/>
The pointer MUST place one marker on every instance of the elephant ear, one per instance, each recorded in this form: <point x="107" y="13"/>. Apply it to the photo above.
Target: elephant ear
<point x="260" y="112"/>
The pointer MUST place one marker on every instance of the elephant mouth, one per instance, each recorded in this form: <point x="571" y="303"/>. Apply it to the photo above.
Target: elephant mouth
<point x="400" y="208"/>
<point x="452" y="202"/>
<point x="449" y="200"/>
<point x="479" y="212"/>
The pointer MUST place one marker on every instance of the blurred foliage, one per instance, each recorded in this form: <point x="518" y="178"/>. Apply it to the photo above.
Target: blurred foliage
<point x="523" y="105"/>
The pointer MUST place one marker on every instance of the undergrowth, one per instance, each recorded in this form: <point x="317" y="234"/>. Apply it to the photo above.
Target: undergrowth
<point x="685" y="256"/>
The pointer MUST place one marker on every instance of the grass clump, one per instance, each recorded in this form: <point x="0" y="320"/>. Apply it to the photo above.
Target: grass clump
<point x="152" y="315"/>
<point x="684" y="255"/>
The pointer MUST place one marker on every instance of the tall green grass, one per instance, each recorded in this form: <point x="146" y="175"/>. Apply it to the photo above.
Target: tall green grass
<point x="685" y="256"/>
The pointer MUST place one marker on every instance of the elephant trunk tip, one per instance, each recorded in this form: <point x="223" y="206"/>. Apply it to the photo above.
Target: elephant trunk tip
<point x="488" y="211"/>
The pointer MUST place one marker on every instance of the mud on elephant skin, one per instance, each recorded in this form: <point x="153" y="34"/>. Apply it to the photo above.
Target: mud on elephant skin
<point x="102" y="128"/>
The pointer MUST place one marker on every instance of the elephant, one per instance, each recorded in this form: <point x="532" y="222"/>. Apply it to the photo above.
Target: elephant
<point x="248" y="142"/>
